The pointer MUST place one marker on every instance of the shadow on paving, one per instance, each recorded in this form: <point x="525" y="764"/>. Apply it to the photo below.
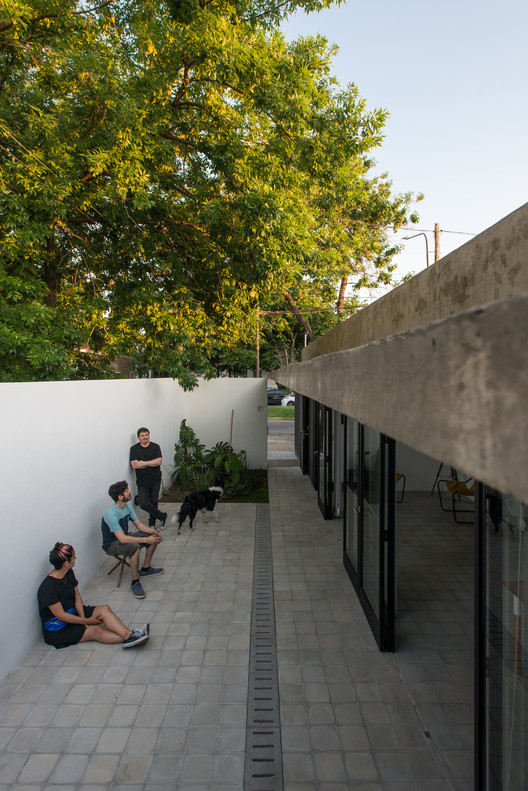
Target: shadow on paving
<point x="172" y="714"/>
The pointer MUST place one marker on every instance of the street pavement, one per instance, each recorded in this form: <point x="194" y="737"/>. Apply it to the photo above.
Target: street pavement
<point x="281" y="427"/>
<point x="281" y="447"/>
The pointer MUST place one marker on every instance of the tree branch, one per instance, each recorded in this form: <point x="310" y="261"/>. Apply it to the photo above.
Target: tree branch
<point x="297" y="313"/>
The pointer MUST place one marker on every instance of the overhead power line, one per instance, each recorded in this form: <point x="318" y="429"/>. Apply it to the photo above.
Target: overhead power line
<point x="408" y="228"/>
<point x="465" y="233"/>
<point x="289" y="313"/>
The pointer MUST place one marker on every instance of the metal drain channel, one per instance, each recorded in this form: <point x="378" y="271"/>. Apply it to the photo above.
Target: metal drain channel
<point x="263" y="766"/>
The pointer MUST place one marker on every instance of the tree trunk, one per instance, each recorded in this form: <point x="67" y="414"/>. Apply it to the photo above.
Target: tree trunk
<point x="292" y="349"/>
<point x="298" y="315"/>
<point x="341" y="298"/>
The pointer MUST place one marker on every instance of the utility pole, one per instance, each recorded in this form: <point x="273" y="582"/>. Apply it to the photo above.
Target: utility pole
<point x="437" y="241"/>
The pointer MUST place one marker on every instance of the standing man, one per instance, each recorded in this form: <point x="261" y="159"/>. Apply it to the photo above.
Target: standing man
<point x="118" y="541"/>
<point x="145" y="459"/>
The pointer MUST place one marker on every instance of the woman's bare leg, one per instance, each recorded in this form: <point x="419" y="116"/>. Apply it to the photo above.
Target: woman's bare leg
<point x="101" y="635"/>
<point x="111" y="624"/>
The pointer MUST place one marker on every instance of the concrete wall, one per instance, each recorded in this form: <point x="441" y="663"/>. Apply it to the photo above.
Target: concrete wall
<point x="455" y="390"/>
<point x="491" y="266"/>
<point x="441" y="363"/>
<point x="66" y="442"/>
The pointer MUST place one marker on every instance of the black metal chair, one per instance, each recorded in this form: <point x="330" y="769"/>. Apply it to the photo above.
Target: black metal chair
<point x="457" y="495"/>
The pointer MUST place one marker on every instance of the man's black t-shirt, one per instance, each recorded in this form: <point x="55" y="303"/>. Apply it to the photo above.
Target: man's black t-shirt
<point x="147" y="475"/>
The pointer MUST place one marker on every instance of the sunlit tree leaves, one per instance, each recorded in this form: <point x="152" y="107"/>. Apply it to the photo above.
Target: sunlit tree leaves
<point x="168" y="170"/>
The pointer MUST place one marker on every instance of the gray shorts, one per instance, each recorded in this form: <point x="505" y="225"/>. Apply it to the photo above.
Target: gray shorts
<point x="117" y="548"/>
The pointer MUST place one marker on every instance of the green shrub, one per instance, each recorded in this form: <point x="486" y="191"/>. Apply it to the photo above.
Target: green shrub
<point x="190" y="468"/>
<point x="197" y="468"/>
<point x="230" y="468"/>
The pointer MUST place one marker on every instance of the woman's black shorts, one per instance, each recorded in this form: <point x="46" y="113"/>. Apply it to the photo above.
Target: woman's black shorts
<point x="70" y="635"/>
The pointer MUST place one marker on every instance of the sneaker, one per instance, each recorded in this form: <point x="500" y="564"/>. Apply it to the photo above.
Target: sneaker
<point x="137" y="590"/>
<point x="138" y="637"/>
<point x="145" y="628"/>
<point x="151" y="572"/>
<point x="162" y="521"/>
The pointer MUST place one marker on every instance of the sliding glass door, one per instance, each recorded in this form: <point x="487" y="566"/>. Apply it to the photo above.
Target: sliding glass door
<point x="369" y="526"/>
<point x="324" y="460"/>
<point x="302" y="432"/>
<point x="352" y="501"/>
<point x="502" y="643"/>
<point x="311" y="443"/>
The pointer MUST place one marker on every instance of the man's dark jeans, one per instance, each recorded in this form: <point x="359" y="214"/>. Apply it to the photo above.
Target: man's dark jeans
<point x="148" y="501"/>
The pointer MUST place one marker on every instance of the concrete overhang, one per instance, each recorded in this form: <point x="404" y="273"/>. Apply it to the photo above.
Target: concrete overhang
<point x="492" y="266"/>
<point x="456" y="389"/>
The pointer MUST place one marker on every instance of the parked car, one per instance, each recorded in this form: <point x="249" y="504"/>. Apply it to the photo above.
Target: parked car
<point x="288" y="400"/>
<point x="275" y="396"/>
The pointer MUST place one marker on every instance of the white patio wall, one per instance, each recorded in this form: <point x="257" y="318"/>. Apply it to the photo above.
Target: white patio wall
<point x="66" y="442"/>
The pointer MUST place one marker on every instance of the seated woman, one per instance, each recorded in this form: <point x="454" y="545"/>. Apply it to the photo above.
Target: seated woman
<point x="66" y="620"/>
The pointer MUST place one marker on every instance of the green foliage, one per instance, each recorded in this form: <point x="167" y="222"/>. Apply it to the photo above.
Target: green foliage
<point x="190" y="467"/>
<point x="168" y="170"/>
<point x="230" y="468"/>
<point x="196" y="468"/>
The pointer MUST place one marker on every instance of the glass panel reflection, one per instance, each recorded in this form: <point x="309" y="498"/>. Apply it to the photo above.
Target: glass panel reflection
<point x="352" y="492"/>
<point x="321" y="480"/>
<point x="371" y="515"/>
<point x="506" y="643"/>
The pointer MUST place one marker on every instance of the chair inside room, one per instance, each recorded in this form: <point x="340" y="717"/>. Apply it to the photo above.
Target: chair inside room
<point x="458" y="497"/>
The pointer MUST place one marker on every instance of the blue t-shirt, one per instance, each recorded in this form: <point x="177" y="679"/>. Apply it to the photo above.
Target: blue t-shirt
<point x="116" y="519"/>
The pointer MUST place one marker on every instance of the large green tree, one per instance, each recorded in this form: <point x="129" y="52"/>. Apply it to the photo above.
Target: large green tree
<point x="168" y="169"/>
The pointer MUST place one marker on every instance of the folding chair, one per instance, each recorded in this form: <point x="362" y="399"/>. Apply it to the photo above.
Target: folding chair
<point x="121" y="563"/>
<point x="458" y="493"/>
<point x="120" y="558"/>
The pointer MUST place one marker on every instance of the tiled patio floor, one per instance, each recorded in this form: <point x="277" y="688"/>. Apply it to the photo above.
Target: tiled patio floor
<point x="172" y="714"/>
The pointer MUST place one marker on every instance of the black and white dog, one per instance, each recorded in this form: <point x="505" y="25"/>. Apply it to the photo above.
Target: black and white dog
<point x="202" y="502"/>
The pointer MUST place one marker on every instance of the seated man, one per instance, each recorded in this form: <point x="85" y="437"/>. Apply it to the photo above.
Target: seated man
<point x="118" y="541"/>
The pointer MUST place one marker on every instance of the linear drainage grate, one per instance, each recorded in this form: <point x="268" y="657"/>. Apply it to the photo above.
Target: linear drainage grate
<point x="263" y="768"/>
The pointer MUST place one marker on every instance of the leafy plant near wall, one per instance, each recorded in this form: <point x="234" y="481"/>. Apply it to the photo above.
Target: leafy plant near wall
<point x="197" y="468"/>
<point x="230" y="468"/>
<point x="190" y="468"/>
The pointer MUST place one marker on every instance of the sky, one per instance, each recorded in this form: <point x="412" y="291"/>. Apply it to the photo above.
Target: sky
<point x="453" y="77"/>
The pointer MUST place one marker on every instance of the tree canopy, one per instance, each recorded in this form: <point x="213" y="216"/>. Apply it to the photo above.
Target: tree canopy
<point x="169" y="170"/>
